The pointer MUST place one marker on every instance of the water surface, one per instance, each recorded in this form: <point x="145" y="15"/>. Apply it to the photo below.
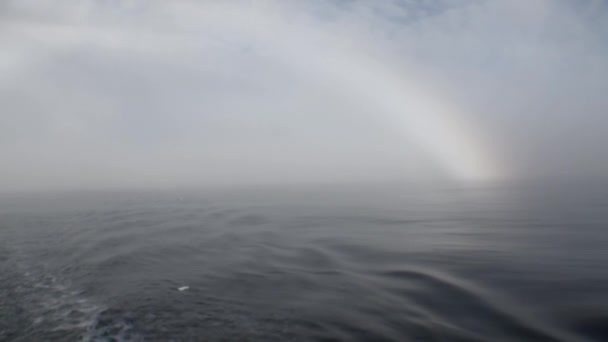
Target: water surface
<point x="381" y="263"/>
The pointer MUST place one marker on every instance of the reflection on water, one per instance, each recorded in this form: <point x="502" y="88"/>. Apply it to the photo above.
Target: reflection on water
<point x="369" y="263"/>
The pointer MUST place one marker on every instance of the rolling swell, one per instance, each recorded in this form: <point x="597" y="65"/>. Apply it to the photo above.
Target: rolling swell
<point x="422" y="287"/>
<point x="266" y="273"/>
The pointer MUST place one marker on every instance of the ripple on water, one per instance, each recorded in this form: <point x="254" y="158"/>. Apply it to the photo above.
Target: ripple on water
<point x="268" y="275"/>
<point x="36" y="305"/>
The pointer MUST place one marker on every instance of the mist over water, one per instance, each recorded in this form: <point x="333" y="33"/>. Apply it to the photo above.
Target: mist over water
<point x="368" y="263"/>
<point x="249" y="170"/>
<point x="155" y="94"/>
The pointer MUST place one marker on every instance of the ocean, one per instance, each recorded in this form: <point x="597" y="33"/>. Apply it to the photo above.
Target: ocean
<point x="385" y="262"/>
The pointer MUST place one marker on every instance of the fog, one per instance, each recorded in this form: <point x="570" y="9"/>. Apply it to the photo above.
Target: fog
<point x="121" y="94"/>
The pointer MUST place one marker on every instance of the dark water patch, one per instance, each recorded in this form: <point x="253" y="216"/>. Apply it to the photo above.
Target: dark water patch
<point x="589" y="321"/>
<point x="112" y="325"/>
<point x="466" y="306"/>
<point x="593" y="326"/>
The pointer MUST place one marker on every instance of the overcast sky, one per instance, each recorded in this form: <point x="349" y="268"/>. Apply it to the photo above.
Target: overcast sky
<point x="111" y="94"/>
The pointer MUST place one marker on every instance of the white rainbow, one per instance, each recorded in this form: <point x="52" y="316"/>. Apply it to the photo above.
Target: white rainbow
<point x="425" y="118"/>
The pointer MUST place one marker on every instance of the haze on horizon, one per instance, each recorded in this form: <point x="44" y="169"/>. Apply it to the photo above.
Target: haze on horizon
<point x="111" y="94"/>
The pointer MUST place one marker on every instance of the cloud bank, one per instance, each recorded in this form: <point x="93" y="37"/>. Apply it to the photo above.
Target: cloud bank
<point x="111" y="94"/>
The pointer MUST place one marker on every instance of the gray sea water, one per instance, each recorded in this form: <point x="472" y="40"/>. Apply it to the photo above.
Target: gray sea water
<point x="367" y="263"/>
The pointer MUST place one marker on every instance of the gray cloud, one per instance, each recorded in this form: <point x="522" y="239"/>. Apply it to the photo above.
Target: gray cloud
<point x="153" y="93"/>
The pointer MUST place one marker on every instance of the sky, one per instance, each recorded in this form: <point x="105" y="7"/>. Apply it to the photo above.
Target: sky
<point x="121" y="94"/>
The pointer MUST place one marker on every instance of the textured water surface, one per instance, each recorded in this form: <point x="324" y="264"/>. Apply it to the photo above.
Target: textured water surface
<point x="385" y="263"/>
